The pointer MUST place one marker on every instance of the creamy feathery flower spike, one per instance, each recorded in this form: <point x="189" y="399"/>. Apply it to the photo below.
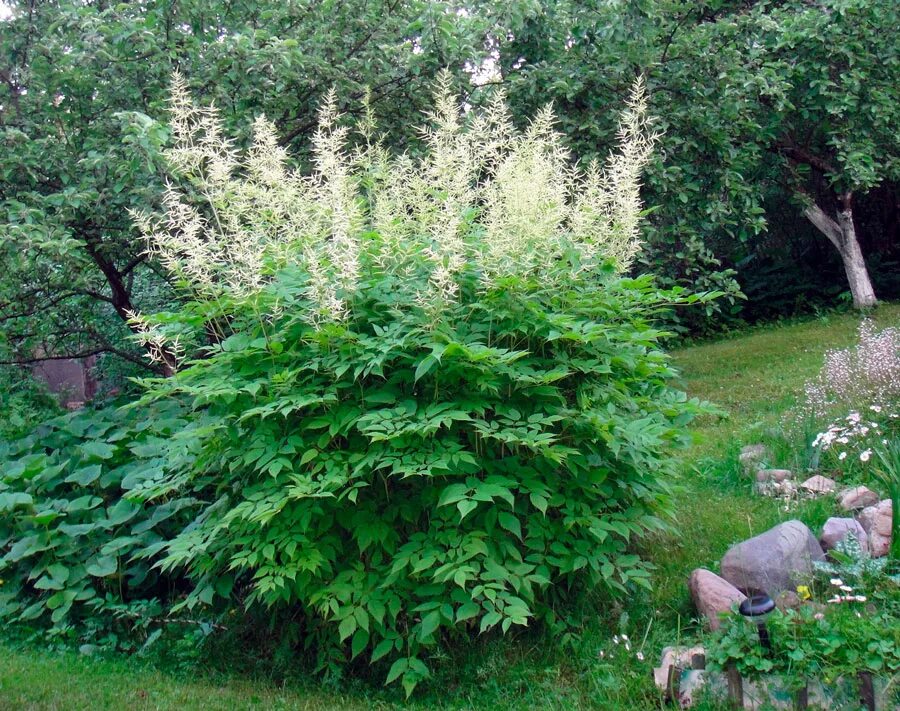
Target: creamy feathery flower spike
<point x="482" y="197"/>
<point x="158" y="347"/>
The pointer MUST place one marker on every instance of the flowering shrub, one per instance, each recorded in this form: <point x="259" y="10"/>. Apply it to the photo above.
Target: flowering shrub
<point x="857" y="397"/>
<point x="438" y="409"/>
<point x="485" y="201"/>
<point x="865" y="376"/>
<point x="851" y="441"/>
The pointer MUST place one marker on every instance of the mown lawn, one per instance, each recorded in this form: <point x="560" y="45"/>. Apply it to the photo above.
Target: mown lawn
<point x="754" y="376"/>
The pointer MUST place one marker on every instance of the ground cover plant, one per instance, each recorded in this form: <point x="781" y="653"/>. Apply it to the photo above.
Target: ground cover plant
<point x="847" y="623"/>
<point x="78" y="553"/>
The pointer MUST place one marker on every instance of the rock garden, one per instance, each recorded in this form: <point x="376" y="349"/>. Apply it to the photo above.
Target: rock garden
<point x="801" y="617"/>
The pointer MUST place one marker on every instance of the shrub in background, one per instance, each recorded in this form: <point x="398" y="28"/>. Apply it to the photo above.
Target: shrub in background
<point x="24" y="401"/>
<point x="76" y="552"/>
<point x="863" y="376"/>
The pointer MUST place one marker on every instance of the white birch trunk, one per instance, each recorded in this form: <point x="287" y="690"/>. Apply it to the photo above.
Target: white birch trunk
<point x="842" y="234"/>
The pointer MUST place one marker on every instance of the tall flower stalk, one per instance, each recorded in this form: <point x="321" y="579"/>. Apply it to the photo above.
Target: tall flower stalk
<point x="482" y="197"/>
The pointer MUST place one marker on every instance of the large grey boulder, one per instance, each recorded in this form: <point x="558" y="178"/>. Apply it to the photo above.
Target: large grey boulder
<point x="837" y="529"/>
<point x="876" y="520"/>
<point x="713" y="595"/>
<point x="776" y="560"/>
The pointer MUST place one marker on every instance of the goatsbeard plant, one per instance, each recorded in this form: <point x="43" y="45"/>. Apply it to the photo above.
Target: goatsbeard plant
<point x="439" y="408"/>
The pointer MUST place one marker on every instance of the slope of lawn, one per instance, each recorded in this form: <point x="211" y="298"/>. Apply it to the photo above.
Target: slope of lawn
<point x="754" y="377"/>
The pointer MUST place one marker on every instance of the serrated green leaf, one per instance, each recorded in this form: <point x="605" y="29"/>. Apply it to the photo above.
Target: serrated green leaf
<point x="453" y="493"/>
<point x="359" y="642"/>
<point x="429" y="624"/>
<point x="510" y="523"/>
<point x="424" y="366"/>
<point x="468" y="611"/>
<point x="383" y="648"/>
<point x="347" y="627"/>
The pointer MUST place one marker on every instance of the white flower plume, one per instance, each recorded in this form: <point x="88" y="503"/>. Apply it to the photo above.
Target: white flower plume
<point x="481" y="197"/>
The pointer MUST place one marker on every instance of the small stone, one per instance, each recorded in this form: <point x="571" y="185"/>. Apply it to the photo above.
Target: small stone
<point x="857" y="498"/>
<point x="752" y="456"/>
<point x="818" y="484"/>
<point x="778" y="475"/>
<point x="776" y="560"/>
<point x="787" y="600"/>
<point x="876" y="520"/>
<point x="681" y="657"/>
<point x="836" y="529"/>
<point x="712" y="595"/>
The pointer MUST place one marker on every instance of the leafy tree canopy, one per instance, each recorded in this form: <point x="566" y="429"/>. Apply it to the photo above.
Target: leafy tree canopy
<point x="754" y="99"/>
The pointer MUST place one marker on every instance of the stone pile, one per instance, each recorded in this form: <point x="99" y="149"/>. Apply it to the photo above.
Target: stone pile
<point x="877" y="520"/>
<point x="871" y="525"/>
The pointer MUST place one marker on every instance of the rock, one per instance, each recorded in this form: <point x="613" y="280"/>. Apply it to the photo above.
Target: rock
<point x="787" y="600"/>
<point x="780" y="489"/>
<point x="857" y="498"/>
<point x="752" y="456"/>
<point x="876" y="521"/>
<point x="681" y="657"/>
<point x="777" y="475"/>
<point x="773" y="561"/>
<point x="818" y="484"/>
<point x="836" y="529"/>
<point x="713" y="595"/>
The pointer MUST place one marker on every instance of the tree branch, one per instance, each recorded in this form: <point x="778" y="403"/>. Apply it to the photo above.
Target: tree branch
<point x="824" y="224"/>
<point x="799" y="154"/>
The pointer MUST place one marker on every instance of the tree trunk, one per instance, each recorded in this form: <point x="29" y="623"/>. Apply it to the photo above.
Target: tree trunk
<point x="842" y="234"/>
<point x="121" y="301"/>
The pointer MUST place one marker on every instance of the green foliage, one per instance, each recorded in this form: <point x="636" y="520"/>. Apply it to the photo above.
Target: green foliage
<point x="756" y="375"/>
<point x="849" y="562"/>
<point x="756" y="100"/>
<point x="805" y="644"/>
<point x="78" y="551"/>
<point x="848" y="623"/>
<point x="24" y="402"/>
<point x="402" y="483"/>
<point x="887" y="474"/>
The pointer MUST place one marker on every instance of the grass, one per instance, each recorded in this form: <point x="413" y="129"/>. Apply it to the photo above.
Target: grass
<point x="754" y="377"/>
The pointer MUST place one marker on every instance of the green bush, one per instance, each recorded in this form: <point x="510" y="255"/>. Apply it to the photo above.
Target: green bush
<point x="438" y="409"/>
<point x="77" y="551"/>
<point x="414" y="399"/>
<point x="399" y="481"/>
